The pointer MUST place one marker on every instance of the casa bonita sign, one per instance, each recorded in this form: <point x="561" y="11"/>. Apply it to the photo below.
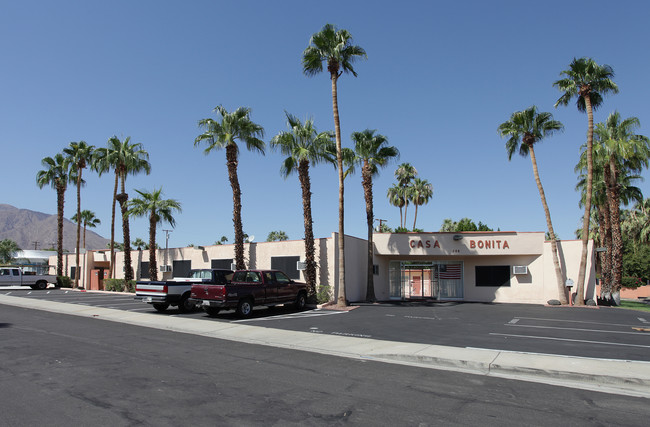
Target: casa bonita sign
<point x="473" y="244"/>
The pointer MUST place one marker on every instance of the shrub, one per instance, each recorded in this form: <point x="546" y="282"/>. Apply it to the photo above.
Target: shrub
<point x="324" y="294"/>
<point x="117" y="285"/>
<point x="632" y="282"/>
<point x="63" y="282"/>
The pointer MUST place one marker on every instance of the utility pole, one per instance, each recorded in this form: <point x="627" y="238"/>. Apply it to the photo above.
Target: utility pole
<point x="35" y="245"/>
<point x="166" y="244"/>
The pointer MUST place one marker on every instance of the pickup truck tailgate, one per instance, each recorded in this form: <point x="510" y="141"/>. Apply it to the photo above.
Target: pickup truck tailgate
<point x="208" y="292"/>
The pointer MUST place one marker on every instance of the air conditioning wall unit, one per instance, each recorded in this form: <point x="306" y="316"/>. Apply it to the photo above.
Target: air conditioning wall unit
<point x="301" y="265"/>
<point x="233" y="266"/>
<point x="165" y="268"/>
<point x="519" y="269"/>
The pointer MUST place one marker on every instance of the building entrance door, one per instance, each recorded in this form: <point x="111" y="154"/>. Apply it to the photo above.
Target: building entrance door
<point x="425" y="280"/>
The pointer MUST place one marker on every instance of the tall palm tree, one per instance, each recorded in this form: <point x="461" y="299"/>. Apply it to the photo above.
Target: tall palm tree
<point x="124" y="158"/>
<point x="421" y="192"/>
<point x="602" y="216"/>
<point x="335" y="48"/>
<point x="625" y="152"/>
<point x="588" y="82"/>
<point x="396" y="198"/>
<point x="371" y="152"/>
<point x="405" y="173"/>
<point x="304" y="145"/>
<point x="224" y="133"/>
<point x="57" y="175"/>
<point x="79" y="154"/>
<point x="139" y="244"/>
<point x="637" y="223"/>
<point x="88" y="219"/>
<point x="526" y="128"/>
<point x="152" y="204"/>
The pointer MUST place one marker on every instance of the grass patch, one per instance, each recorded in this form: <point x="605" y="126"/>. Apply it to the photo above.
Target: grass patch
<point x="634" y="305"/>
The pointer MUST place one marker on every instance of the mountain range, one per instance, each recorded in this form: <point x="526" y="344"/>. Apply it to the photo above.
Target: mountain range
<point x="30" y="228"/>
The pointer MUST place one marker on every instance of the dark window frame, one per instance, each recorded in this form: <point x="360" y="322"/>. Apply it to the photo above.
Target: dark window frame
<point x="495" y="276"/>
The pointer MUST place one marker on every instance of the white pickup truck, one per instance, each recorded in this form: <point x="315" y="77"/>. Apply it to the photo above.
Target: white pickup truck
<point x="15" y="276"/>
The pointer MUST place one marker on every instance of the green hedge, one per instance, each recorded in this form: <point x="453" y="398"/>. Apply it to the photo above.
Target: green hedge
<point x="63" y="282"/>
<point x="632" y="282"/>
<point x="117" y="285"/>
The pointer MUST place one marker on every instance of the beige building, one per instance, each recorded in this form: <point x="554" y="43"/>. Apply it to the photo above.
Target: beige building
<point x="467" y="266"/>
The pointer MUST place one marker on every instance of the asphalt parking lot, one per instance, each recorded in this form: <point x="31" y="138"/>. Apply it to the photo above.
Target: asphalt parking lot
<point x="603" y="332"/>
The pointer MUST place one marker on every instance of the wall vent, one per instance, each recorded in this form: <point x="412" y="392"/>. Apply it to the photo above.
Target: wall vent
<point x="520" y="269"/>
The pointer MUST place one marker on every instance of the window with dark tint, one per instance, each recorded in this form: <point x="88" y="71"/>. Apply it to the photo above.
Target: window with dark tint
<point x="492" y="275"/>
<point x="144" y="270"/>
<point x="73" y="271"/>
<point x="221" y="263"/>
<point x="281" y="278"/>
<point x="288" y="264"/>
<point x="181" y="268"/>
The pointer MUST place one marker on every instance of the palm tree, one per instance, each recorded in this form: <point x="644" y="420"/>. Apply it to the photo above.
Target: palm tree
<point x="371" y="153"/>
<point x="396" y="198"/>
<point x="57" y="175"/>
<point x="335" y="48"/>
<point x="224" y="133"/>
<point x="421" y="192"/>
<point x="277" y="236"/>
<point x="588" y="82"/>
<point x="8" y="250"/>
<point x="526" y="128"/>
<point x="304" y="145"/>
<point x="637" y="223"/>
<point x="404" y="175"/>
<point x="88" y="219"/>
<point x="625" y="152"/>
<point x="139" y="244"/>
<point x="124" y="158"/>
<point x="158" y="210"/>
<point x="79" y="153"/>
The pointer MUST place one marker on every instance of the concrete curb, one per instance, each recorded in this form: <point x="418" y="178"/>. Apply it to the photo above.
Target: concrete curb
<point x="615" y="376"/>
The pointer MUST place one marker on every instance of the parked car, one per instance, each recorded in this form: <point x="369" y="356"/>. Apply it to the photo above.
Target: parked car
<point x="15" y="276"/>
<point x="176" y="292"/>
<point x="247" y="289"/>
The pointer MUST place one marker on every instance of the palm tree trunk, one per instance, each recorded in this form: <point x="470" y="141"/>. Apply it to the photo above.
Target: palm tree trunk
<point x="123" y="199"/>
<point x="231" y="158"/>
<point x="617" y="239"/>
<point x="153" y="268"/>
<point x="310" y="258"/>
<point x="341" y="300"/>
<point x="607" y="239"/>
<point x="76" y="270"/>
<point x="366" y="177"/>
<point x="605" y="232"/>
<point x="580" y="291"/>
<point x="60" y="201"/>
<point x="415" y="218"/>
<point x="111" y="273"/>
<point x="401" y="218"/>
<point x="561" y="289"/>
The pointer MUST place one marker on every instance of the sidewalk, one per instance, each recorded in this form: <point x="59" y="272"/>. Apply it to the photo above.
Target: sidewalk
<point x="612" y="376"/>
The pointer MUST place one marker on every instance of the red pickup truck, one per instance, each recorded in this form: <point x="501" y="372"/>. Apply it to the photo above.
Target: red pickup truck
<point x="247" y="289"/>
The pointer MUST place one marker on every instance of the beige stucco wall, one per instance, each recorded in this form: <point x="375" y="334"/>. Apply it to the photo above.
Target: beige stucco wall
<point x="496" y="248"/>
<point x="479" y="248"/>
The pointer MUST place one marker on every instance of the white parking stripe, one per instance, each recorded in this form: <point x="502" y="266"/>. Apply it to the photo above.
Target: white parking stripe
<point x="573" y="321"/>
<point x="571" y="340"/>
<point x="578" y="329"/>
<point x="314" y="313"/>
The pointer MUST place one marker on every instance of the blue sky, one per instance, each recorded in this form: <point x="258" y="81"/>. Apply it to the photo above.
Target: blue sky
<point x="439" y="79"/>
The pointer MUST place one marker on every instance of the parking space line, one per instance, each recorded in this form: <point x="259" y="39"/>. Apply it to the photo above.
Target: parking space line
<point x="301" y="315"/>
<point x="574" y="321"/>
<point x="577" y="329"/>
<point x="571" y="340"/>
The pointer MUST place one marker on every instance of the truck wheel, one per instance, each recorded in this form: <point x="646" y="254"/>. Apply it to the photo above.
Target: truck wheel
<point x="245" y="308"/>
<point x="41" y="284"/>
<point x="301" y="301"/>
<point x="185" y="305"/>
<point x="212" y="311"/>
<point x="160" y="307"/>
